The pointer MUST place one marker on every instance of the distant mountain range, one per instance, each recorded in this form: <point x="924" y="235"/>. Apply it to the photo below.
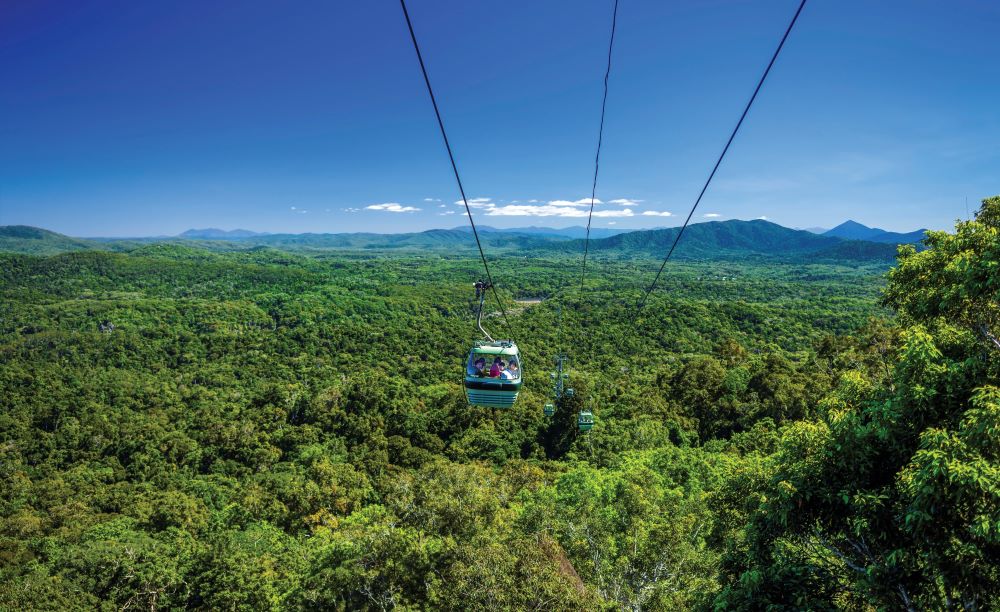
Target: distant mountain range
<point x="551" y="232"/>
<point x="729" y="239"/>
<point x="212" y="233"/>
<point x="712" y="240"/>
<point x="576" y="231"/>
<point x="852" y="230"/>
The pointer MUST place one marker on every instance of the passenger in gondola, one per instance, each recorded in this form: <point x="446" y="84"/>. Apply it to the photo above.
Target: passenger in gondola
<point x="512" y="372"/>
<point x="496" y="368"/>
<point x="478" y="367"/>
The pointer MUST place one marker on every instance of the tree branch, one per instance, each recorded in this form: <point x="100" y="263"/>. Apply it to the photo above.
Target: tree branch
<point x="985" y="331"/>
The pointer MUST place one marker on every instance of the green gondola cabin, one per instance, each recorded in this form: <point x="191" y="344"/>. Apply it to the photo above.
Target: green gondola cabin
<point x="493" y="374"/>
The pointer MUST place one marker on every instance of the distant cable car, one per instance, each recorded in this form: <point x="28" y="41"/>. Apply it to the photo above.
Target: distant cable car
<point x="585" y="420"/>
<point x="493" y="374"/>
<point x="559" y="379"/>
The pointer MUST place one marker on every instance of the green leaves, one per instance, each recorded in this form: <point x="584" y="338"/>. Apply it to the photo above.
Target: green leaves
<point x="898" y="498"/>
<point x="956" y="278"/>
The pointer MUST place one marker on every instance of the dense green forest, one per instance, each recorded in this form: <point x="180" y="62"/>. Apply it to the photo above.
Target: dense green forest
<point x="253" y="428"/>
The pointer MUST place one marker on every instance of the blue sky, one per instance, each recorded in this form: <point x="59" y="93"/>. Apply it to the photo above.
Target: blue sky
<point x="139" y="118"/>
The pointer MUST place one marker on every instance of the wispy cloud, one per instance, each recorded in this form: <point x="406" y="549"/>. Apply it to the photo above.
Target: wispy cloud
<point x="487" y="206"/>
<point x="756" y="184"/>
<point x="763" y="217"/>
<point x="856" y="167"/>
<point x="580" y="202"/>
<point x="477" y="202"/>
<point x="579" y="208"/>
<point x="550" y="210"/>
<point x="351" y="209"/>
<point x="841" y="168"/>
<point x="657" y="213"/>
<point x="392" y="207"/>
<point x="711" y="215"/>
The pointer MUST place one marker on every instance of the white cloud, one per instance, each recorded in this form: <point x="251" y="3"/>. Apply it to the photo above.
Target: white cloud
<point x="293" y="208"/>
<point x="442" y="206"/>
<point x="612" y="222"/>
<point x="447" y="212"/>
<point x="352" y="210"/>
<point x="549" y="210"/>
<point x="627" y="212"/>
<point x="657" y="213"/>
<point x="763" y="217"/>
<point x="580" y="202"/>
<point x="477" y="202"/>
<point x="392" y="207"/>
<point x="432" y="199"/>
<point x="552" y="208"/>
<point x="711" y="215"/>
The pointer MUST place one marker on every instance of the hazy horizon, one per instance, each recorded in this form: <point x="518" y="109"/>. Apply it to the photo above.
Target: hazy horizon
<point x="480" y="225"/>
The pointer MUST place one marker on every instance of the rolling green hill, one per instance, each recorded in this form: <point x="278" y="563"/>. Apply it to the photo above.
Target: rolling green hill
<point x="36" y="241"/>
<point x="729" y="239"/>
<point x="430" y="239"/>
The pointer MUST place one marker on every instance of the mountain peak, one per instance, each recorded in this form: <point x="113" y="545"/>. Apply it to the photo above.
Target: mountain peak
<point x="850" y="224"/>
<point x="852" y="230"/>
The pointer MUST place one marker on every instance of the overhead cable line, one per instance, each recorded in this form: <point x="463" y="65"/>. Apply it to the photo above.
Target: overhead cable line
<point x="718" y="162"/>
<point x="600" y="138"/>
<point x="454" y="166"/>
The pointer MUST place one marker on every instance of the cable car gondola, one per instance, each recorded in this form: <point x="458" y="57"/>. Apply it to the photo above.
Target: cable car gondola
<point x="493" y="377"/>
<point x="493" y="373"/>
